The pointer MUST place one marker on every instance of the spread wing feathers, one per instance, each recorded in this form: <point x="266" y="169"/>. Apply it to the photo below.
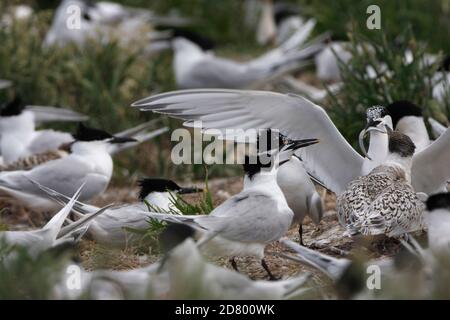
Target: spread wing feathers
<point x="63" y="174"/>
<point x="82" y="222"/>
<point x="137" y="129"/>
<point x="49" y="114"/>
<point x="55" y="224"/>
<point x="243" y="218"/>
<point x="431" y="167"/>
<point x="293" y="115"/>
<point x="33" y="161"/>
<point x="63" y="199"/>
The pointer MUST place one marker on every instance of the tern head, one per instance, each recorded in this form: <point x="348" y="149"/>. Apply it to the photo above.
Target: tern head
<point x="12" y="108"/>
<point x="403" y="108"/>
<point x="202" y="42"/>
<point x="149" y="185"/>
<point x="273" y="148"/>
<point x="400" y="144"/>
<point x="86" y="134"/>
<point x="378" y="120"/>
<point x="439" y="201"/>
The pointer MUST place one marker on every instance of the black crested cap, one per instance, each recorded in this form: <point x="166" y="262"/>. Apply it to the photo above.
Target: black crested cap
<point x="284" y="11"/>
<point x="253" y="166"/>
<point x="173" y="235"/>
<point x="149" y="185"/>
<point x="439" y="201"/>
<point x="445" y="66"/>
<point x="90" y="134"/>
<point x="403" y="108"/>
<point x="202" y="41"/>
<point x="401" y="144"/>
<point x="12" y="108"/>
<point x="375" y="112"/>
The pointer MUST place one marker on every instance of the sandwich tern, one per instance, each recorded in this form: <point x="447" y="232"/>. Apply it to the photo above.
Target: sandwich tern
<point x="196" y="68"/>
<point x="88" y="162"/>
<point x="244" y="224"/>
<point x="384" y="201"/>
<point x="109" y="229"/>
<point x="245" y="109"/>
<point x="102" y="21"/>
<point x="190" y="276"/>
<point x="19" y="139"/>
<point x="53" y="233"/>
<point x="407" y="118"/>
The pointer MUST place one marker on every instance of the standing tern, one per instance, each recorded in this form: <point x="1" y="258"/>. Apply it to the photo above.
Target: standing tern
<point x="384" y="202"/>
<point x="192" y="277"/>
<point x="52" y="233"/>
<point x="244" y="224"/>
<point x="101" y="21"/>
<point x="19" y="139"/>
<point x="298" y="117"/>
<point x="196" y="68"/>
<point x="109" y="229"/>
<point x="88" y="162"/>
<point x="407" y="118"/>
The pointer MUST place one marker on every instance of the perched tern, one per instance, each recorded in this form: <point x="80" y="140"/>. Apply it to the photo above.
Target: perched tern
<point x="245" y="223"/>
<point x="102" y="22"/>
<point x="196" y="68"/>
<point x="53" y="233"/>
<point x="88" y="162"/>
<point x="192" y="277"/>
<point x="407" y="118"/>
<point x="19" y="139"/>
<point x="109" y="229"/>
<point x="384" y="201"/>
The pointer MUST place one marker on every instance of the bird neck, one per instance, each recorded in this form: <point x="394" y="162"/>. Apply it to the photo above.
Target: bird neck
<point x="20" y="124"/>
<point x="265" y="179"/>
<point x="414" y="127"/>
<point x="89" y="147"/>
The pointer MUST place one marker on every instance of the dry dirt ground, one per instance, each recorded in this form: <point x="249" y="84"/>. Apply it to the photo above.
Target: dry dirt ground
<point x="327" y="237"/>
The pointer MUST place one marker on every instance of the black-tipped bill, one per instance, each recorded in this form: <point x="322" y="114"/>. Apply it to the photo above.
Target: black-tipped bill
<point x="189" y="190"/>
<point x="297" y="144"/>
<point x="121" y="140"/>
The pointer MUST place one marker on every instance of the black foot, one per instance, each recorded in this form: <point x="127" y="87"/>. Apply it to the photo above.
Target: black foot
<point x="234" y="264"/>
<point x="271" y="276"/>
<point x="300" y="234"/>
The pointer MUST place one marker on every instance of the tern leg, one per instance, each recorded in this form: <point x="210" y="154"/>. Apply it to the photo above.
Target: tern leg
<point x="266" y="267"/>
<point x="300" y="234"/>
<point x="234" y="264"/>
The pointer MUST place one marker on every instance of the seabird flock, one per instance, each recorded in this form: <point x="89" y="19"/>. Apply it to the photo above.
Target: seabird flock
<point x="396" y="189"/>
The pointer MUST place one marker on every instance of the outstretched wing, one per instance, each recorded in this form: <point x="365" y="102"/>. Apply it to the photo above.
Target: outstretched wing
<point x="333" y="161"/>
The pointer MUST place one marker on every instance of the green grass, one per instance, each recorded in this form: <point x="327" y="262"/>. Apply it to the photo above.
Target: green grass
<point x="149" y="237"/>
<point x="398" y="81"/>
